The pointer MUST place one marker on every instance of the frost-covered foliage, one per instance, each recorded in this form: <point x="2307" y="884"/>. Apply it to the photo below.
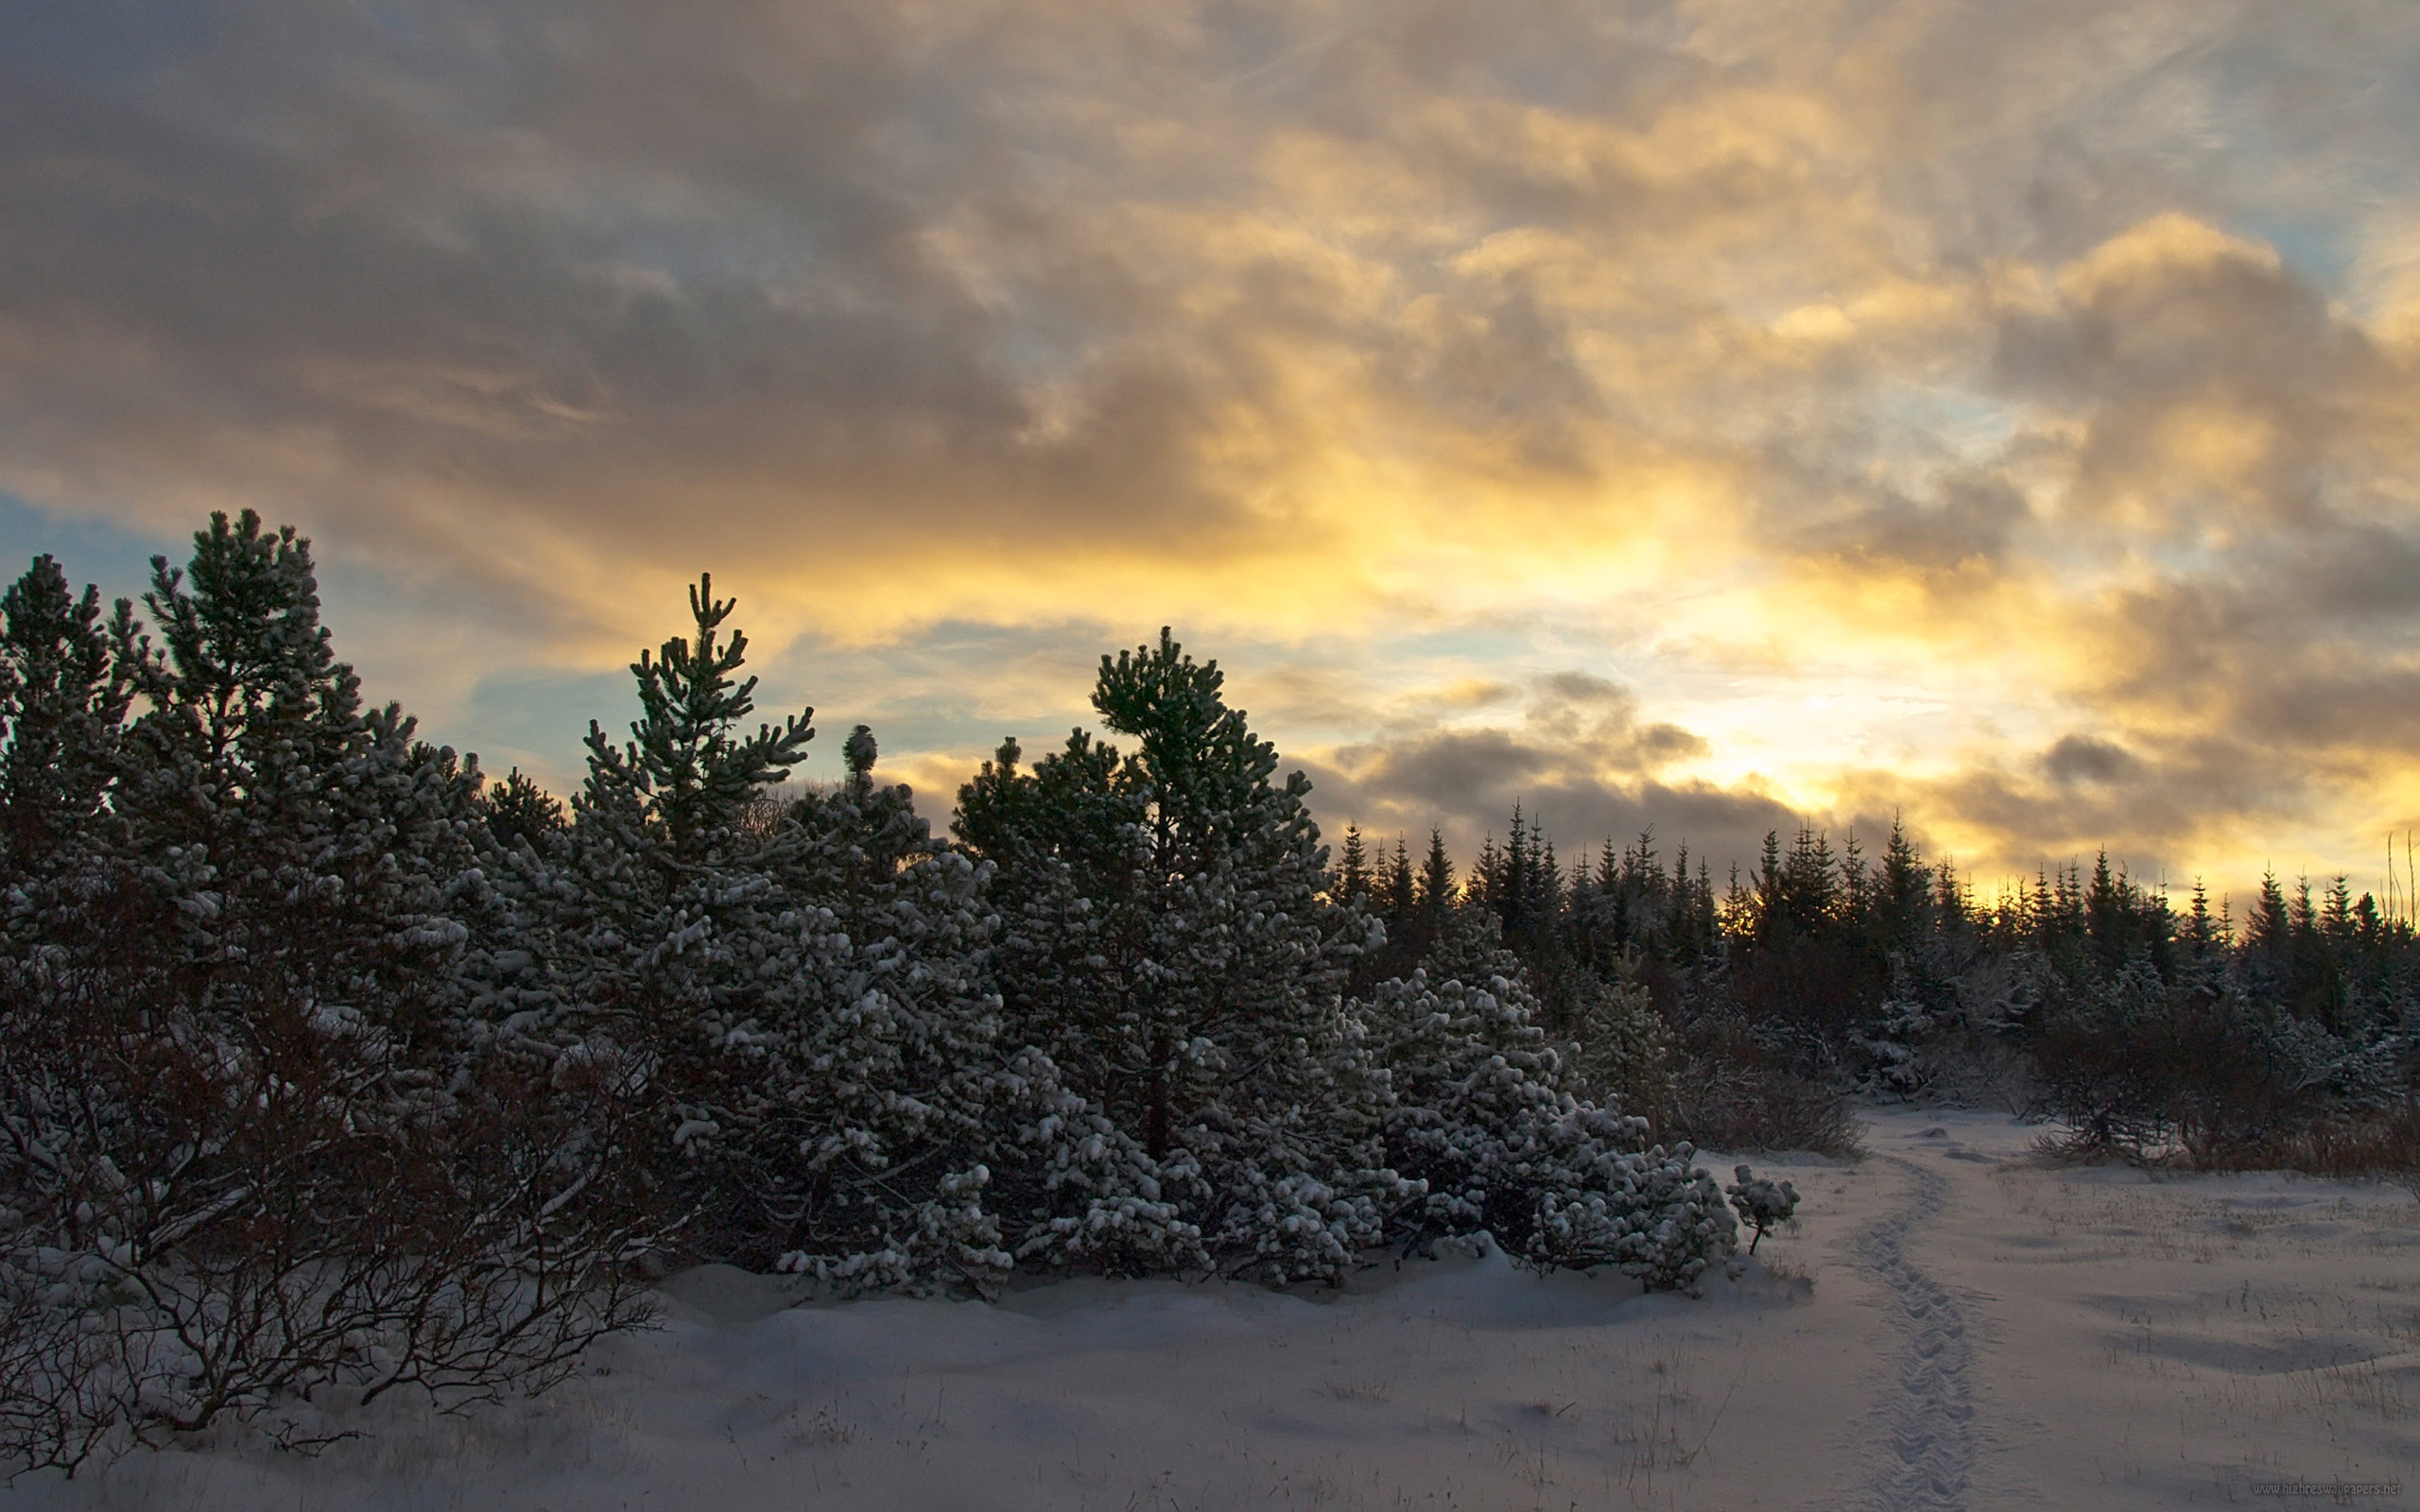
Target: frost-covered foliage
<point x="1891" y="1046"/>
<point x="1651" y="1213"/>
<point x="1919" y="1040"/>
<point x="323" y="1064"/>
<point x="869" y="1110"/>
<point x="1762" y="1203"/>
<point x="1168" y="947"/>
<point x="246" y="1149"/>
<point x="1483" y="1120"/>
<point x="800" y="982"/>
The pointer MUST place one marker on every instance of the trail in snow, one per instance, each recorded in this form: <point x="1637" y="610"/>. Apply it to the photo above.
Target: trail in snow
<point x="2152" y="1343"/>
<point x="1925" y="1455"/>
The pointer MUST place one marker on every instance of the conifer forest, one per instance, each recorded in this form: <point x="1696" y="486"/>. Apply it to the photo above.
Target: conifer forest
<point x="328" y="1059"/>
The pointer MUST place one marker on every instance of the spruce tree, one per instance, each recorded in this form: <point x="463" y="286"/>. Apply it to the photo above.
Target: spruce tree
<point x="1398" y="897"/>
<point x="1353" y="877"/>
<point x="1437" y="891"/>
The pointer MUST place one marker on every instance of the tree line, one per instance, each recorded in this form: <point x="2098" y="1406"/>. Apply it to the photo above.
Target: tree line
<point x="329" y="1066"/>
<point x="2289" y="1035"/>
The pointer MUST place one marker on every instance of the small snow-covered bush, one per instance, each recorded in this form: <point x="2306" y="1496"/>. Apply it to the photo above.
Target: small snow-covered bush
<point x="1653" y="1214"/>
<point x="1762" y="1203"/>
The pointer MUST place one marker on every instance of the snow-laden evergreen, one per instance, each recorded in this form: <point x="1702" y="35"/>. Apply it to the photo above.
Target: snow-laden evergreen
<point x="1483" y="1117"/>
<point x="1763" y="1204"/>
<point x="1169" y="950"/>
<point x="799" y="983"/>
<point x="873" y="1111"/>
<point x="1174" y="948"/>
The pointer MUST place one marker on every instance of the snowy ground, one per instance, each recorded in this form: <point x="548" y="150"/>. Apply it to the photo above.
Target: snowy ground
<point x="1947" y="1327"/>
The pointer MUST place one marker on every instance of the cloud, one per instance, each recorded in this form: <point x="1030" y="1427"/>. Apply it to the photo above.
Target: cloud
<point x="1579" y="760"/>
<point x="1695" y="413"/>
<point x="2085" y="759"/>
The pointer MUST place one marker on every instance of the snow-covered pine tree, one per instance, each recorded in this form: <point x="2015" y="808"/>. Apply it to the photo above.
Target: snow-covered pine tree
<point x="286" y="823"/>
<point x="1483" y="1117"/>
<point x="616" y="958"/>
<point x="519" y="812"/>
<point x="1169" y="950"/>
<point x="881" y="1096"/>
<point x="799" y="983"/>
<point x="617" y="951"/>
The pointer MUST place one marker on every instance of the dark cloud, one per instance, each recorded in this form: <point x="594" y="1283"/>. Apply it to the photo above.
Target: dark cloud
<point x="2085" y="759"/>
<point x="1581" y="763"/>
<point x="583" y="271"/>
<point x="1467" y="784"/>
<point x="1968" y="523"/>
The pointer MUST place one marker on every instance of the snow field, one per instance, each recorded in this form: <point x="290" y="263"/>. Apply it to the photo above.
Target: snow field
<point x="1947" y="1325"/>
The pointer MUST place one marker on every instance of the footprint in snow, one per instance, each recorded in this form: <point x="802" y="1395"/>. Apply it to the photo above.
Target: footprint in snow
<point x="1926" y="1454"/>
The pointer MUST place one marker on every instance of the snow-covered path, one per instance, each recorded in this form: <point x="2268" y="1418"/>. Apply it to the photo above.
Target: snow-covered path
<point x="2117" y="1338"/>
<point x="1949" y="1326"/>
<point x="1926" y="1450"/>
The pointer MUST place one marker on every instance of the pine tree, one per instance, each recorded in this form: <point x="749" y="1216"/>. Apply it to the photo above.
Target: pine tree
<point x="1773" y="921"/>
<point x="1484" y="1120"/>
<point x="688" y="755"/>
<point x="2201" y="932"/>
<point x="1437" y="891"/>
<point x="519" y="812"/>
<point x="2107" y="917"/>
<point x="1398" y="892"/>
<point x="66" y="684"/>
<point x="633" y="907"/>
<point x="1904" y="908"/>
<point x="1170" y="952"/>
<point x="2269" y="939"/>
<point x="1352" y="878"/>
<point x="290" y="829"/>
<point x="865" y="1133"/>
<point x="800" y="984"/>
<point x="1625" y="1051"/>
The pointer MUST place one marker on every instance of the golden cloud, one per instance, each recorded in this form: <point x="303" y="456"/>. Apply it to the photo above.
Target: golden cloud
<point x="2002" y="416"/>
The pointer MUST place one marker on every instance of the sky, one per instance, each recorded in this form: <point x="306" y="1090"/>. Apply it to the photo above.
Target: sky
<point x="1712" y="416"/>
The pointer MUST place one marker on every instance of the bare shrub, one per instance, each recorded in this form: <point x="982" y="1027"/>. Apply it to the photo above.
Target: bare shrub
<point x="223" y="1197"/>
<point x="1733" y="1088"/>
<point x="2380" y="1144"/>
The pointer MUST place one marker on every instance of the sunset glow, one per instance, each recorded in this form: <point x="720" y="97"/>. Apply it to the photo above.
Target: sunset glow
<point x="1716" y="416"/>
